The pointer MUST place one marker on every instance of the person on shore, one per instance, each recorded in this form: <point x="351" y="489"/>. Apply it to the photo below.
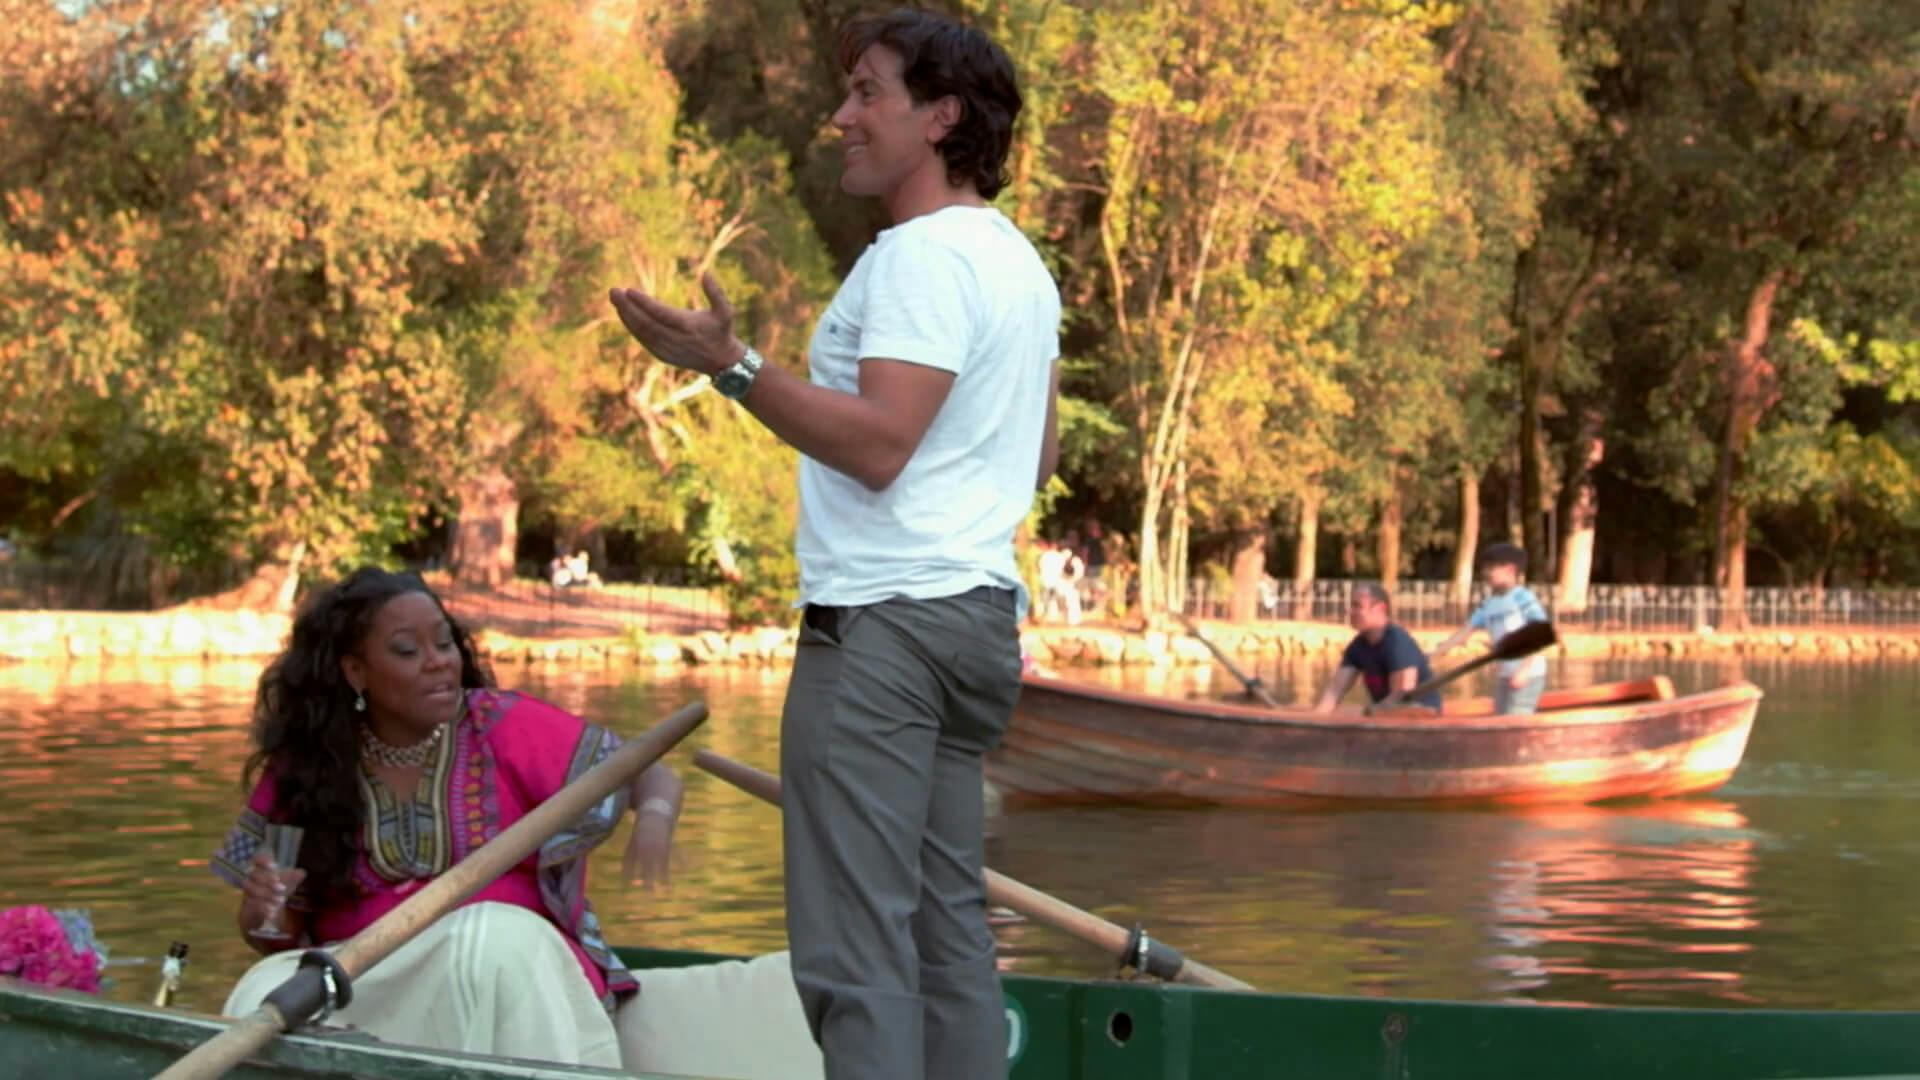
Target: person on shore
<point x="927" y="425"/>
<point x="1517" y="683"/>
<point x="1382" y="654"/>
<point x="378" y="734"/>
<point x="1059" y="582"/>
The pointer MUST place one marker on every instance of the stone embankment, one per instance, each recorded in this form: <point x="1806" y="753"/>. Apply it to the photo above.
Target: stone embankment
<point x="183" y="634"/>
<point x="178" y="634"/>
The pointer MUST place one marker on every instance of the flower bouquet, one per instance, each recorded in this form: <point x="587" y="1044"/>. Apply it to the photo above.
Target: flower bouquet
<point x="51" y="948"/>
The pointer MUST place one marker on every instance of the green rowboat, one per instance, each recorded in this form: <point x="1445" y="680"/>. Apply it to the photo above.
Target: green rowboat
<point x="1106" y="1030"/>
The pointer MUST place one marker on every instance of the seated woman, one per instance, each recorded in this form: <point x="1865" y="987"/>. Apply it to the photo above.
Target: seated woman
<point x="378" y="734"/>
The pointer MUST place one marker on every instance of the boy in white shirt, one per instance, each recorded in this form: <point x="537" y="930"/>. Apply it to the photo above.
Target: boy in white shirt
<point x="1517" y="683"/>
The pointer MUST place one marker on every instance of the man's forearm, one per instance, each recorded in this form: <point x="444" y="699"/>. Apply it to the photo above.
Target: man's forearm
<point x="847" y="433"/>
<point x="1336" y="689"/>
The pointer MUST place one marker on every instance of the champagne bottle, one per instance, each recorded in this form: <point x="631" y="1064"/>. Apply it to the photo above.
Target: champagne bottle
<point x="170" y="971"/>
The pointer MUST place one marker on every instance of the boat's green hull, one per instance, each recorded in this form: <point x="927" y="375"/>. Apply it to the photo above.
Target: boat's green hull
<point x="69" y="1036"/>
<point x="1067" y="1030"/>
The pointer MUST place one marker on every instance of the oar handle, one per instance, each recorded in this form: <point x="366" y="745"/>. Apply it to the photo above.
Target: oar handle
<point x="377" y="941"/>
<point x="1401" y="697"/>
<point x="1527" y="640"/>
<point x="1254" y="686"/>
<point x="1110" y="938"/>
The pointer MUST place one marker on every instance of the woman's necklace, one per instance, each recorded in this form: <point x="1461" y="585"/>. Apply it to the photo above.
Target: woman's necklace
<point x="399" y="757"/>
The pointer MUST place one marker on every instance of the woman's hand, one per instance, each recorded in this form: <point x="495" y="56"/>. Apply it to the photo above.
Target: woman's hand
<point x="266" y="887"/>
<point x="650" y="848"/>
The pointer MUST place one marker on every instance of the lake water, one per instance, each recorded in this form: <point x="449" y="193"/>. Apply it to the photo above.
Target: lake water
<point x="1792" y="886"/>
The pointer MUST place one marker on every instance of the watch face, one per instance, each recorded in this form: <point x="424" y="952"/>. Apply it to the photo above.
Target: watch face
<point x="732" y="383"/>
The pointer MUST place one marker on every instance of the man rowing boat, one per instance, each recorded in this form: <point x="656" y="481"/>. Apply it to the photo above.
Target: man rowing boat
<point x="1382" y="654"/>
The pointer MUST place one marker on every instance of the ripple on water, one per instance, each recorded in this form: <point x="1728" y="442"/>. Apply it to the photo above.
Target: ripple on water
<point x="1791" y="886"/>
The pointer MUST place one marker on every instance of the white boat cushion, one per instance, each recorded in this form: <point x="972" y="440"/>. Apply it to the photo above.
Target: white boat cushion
<point x="734" y="1020"/>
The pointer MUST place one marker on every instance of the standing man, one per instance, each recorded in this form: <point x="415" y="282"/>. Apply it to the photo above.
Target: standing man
<point x="928" y="424"/>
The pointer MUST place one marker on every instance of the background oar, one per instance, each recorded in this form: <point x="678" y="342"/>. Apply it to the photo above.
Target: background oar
<point x="1254" y="686"/>
<point x="1525" y="641"/>
<point x="1129" y="946"/>
<point x="316" y="983"/>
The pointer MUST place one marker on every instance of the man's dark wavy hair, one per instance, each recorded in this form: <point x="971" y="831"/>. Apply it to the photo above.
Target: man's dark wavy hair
<point x="305" y="728"/>
<point x="940" y="57"/>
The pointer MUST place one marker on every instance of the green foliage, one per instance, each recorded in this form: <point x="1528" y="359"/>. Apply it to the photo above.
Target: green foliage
<point x="308" y="276"/>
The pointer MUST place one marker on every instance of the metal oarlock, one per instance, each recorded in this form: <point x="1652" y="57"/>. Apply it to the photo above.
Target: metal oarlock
<point x="315" y="990"/>
<point x="1150" y="957"/>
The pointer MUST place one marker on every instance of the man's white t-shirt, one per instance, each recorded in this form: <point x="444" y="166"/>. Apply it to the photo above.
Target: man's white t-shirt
<point x="959" y="289"/>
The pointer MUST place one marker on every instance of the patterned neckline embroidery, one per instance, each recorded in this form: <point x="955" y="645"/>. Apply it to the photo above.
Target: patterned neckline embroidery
<point x="410" y="838"/>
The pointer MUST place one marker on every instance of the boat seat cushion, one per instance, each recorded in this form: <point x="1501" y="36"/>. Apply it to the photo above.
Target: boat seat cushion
<point x="733" y="1020"/>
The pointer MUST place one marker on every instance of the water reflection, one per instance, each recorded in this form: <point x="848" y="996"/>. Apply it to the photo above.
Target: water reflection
<point x="1565" y="905"/>
<point x="1663" y="892"/>
<point x="1791" y="886"/>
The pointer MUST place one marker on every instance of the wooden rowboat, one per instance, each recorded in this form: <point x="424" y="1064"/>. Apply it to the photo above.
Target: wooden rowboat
<point x="1073" y="742"/>
<point x="1073" y="1030"/>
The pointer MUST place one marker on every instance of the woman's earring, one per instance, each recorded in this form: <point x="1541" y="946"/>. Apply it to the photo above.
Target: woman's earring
<point x="359" y="701"/>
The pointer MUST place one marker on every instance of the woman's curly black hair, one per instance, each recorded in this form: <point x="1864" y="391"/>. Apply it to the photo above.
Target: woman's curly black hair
<point x="305" y="728"/>
<point x="940" y="57"/>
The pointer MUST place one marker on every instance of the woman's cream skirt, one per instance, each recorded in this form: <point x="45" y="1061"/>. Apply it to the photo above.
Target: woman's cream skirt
<point x="499" y="979"/>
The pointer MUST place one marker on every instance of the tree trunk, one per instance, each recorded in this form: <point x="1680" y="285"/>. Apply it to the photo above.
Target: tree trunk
<point x="1753" y="387"/>
<point x="1179" y="564"/>
<point x="1512" y="490"/>
<point x="274" y="584"/>
<point x="1533" y="536"/>
<point x="1249" y="567"/>
<point x="1581" y="515"/>
<point x="1391" y="519"/>
<point x="1541" y="323"/>
<point x="1150" y="571"/>
<point x="1119" y="575"/>
<point x="1349" y="557"/>
<point x="488" y="529"/>
<point x="1305" y="552"/>
<point x="1733" y="571"/>
<point x="1468" y="544"/>
<point x="1576" y="552"/>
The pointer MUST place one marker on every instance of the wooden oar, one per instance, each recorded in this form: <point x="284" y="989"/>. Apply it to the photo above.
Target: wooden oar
<point x="1132" y="947"/>
<point x="321" y="980"/>
<point x="1527" y="640"/>
<point x="1255" y="687"/>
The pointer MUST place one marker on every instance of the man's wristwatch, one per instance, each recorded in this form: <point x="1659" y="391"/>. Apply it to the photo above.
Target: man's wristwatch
<point x="734" y="382"/>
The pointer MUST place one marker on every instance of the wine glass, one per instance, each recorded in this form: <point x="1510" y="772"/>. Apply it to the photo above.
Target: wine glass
<point x="283" y="844"/>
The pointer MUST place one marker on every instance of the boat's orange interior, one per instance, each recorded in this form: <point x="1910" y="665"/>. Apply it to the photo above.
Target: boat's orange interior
<point x="1653" y="688"/>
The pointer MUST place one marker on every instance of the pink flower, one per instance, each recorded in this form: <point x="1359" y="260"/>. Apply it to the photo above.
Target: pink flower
<point x="35" y="946"/>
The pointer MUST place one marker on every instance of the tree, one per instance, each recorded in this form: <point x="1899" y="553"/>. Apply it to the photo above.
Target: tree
<point x="1248" y="192"/>
<point x="1520" y="137"/>
<point x="273" y="202"/>
<point x="1759" y="128"/>
<point x="585" y="178"/>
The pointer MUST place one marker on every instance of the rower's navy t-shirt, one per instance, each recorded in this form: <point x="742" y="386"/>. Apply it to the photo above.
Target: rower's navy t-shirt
<point x="1396" y="651"/>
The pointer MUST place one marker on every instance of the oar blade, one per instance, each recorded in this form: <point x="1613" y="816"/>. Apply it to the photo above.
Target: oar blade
<point x="1527" y="640"/>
